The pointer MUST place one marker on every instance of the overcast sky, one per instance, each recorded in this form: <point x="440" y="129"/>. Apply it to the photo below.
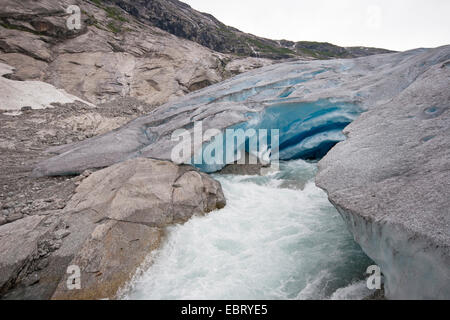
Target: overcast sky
<point x="391" y="24"/>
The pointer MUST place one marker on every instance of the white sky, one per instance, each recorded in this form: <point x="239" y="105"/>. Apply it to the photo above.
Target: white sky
<point x="390" y="24"/>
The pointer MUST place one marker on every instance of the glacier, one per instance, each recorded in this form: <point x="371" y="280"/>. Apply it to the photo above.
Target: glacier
<point x="390" y="180"/>
<point x="385" y="119"/>
<point x="309" y="101"/>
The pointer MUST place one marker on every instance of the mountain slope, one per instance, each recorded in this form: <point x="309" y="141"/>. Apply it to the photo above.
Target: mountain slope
<point x="112" y="56"/>
<point x="181" y="20"/>
<point x="138" y="49"/>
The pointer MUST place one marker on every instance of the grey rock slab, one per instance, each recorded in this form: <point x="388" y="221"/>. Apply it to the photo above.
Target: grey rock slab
<point x="18" y="248"/>
<point x="121" y="212"/>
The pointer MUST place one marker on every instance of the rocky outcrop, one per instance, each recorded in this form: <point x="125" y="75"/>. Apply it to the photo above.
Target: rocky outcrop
<point x="20" y="244"/>
<point x="23" y="140"/>
<point x="112" y="56"/>
<point x="114" y="220"/>
<point x="390" y="181"/>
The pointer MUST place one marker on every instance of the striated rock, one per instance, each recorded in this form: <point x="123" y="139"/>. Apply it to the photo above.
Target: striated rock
<point x="21" y="244"/>
<point x="390" y="182"/>
<point x="122" y="50"/>
<point x="108" y="259"/>
<point x="125" y="208"/>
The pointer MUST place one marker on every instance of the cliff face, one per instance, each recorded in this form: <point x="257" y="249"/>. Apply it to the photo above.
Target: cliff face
<point x="390" y="181"/>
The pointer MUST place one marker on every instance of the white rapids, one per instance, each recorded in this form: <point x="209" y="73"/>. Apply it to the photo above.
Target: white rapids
<point x="277" y="238"/>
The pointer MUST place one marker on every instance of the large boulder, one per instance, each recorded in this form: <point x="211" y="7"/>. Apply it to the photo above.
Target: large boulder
<point x="127" y="206"/>
<point x="114" y="220"/>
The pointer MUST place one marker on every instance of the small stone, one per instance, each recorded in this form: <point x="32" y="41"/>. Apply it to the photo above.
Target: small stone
<point x="30" y="280"/>
<point x="26" y="108"/>
<point x="62" y="233"/>
<point x="25" y="210"/>
<point x="43" y="263"/>
<point x="13" y="217"/>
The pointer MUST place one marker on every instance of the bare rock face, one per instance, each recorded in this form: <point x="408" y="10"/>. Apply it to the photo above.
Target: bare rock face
<point x="19" y="247"/>
<point x="112" y="56"/>
<point x="26" y="246"/>
<point x="127" y="206"/>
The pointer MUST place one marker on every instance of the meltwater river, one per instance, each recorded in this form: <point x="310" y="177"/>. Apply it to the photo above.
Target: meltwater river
<point x="277" y="238"/>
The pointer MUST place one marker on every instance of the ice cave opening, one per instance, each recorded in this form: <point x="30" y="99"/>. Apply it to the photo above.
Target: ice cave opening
<point x="306" y="130"/>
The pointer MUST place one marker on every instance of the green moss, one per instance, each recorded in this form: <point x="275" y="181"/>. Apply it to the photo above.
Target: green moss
<point x="111" y="12"/>
<point x="98" y="3"/>
<point x="113" y="27"/>
<point x="114" y="13"/>
<point x="20" y="28"/>
<point x="270" y="49"/>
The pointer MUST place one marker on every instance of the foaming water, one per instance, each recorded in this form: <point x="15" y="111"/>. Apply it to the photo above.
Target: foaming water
<point x="277" y="238"/>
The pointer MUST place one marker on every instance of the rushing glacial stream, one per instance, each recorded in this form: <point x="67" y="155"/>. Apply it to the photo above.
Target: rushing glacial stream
<point x="277" y="238"/>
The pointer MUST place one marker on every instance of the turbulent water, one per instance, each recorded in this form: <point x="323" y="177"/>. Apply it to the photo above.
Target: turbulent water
<point x="277" y="238"/>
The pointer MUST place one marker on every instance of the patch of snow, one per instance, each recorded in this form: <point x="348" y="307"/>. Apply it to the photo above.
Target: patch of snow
<point x="34" y="94"/>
